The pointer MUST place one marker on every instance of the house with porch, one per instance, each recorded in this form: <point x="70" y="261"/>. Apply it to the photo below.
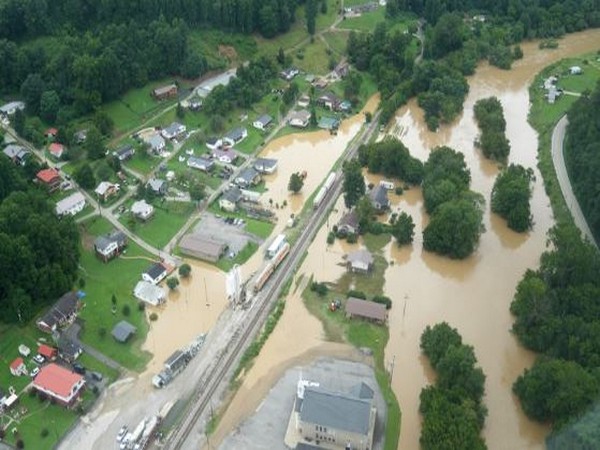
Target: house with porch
<point x="230" y="199"/>
<point x="379" y="198"/>
<point x="50" y="178"/>
<point x="106" y="189"/>
<point x="299" y="119"/>
<point x="124" y="153"/>
<point x="59" y="383"/>
<point x="262" y="122"/>
<point x="349" y="223"/>
<point x="360" y="261"/>
<point x="200" y="163"/>
<point x="71" y="205"/>
<point x="157" y="186"/>
<point x="265" y="165"/>
<point x="56" y="149"/>
<point x="248" y="177"/>
<point x="109" y="246"/>
<point x="149" y="293"/>
<point x="61" y="314"/>
<point x="225" y="156"/>
<point x="235" y="136"/>
<point x="142" y="210"/>
<point x="155" y="273"/>
<point x="17" y="154"/>
<point x="173" y="131"/>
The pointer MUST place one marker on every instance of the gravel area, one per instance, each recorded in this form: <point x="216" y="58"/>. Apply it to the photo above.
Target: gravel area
<point x="216" y="228"/>
<point x="266" y="428"/>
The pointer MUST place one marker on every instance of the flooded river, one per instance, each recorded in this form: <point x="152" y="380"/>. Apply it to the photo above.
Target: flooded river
<point x="472" y="295"/>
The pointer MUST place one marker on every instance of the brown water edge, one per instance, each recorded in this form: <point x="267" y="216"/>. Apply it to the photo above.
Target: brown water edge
<point x="473" y="295"/>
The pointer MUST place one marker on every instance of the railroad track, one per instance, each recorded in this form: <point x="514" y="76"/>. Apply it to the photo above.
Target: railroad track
<point x="210" y="383"/>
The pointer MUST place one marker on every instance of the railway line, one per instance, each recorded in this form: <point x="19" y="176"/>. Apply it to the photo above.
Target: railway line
<point x="218" y="373"/>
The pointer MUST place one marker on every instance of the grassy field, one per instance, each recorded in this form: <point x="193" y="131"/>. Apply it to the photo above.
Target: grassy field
<point x="168" y="219"/>
<point x="102" y="281"/>
<point x="360" y="333"/>
<point x="337" y="40"/>
<point x="365" y="22"/>
<point x="543" y="117"/>
<point x="313" y="58"/>
<point x="207" y="42"/>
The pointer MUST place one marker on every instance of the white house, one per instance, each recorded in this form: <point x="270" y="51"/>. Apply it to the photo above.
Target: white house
<point x="214" y="143"/>
<point x="230" y="199"/>
<point x="106" y="189"/>
<point x="174" y="130"/>
<point x="72" y="204"/>
<point x="262" y="122"/>
<point x="142" y="210"/>
<point x="235" y="136"/>
<point x="200" y="163"/>
<point x="300" y="119"/>
<point x="9" y="109"/>
<point x="575" y="70"/>
<point x="149" y="293"/>
<point x="157" y="144"/>
<point x="224" y="156"/>
<point x="155" y="273"/>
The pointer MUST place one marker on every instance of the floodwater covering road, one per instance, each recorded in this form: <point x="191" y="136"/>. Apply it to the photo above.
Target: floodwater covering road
<point x="472" y="295"/>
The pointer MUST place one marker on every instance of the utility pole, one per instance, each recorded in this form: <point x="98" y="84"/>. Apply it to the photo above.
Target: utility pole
<point x="392" y="365"/>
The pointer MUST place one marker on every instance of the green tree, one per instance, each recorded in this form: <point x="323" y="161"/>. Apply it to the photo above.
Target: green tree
<point x="31" y="90"/>
<point x="311" y="16"/>
<point x="354" y="183"/>
<point x="49" y="105"/>
<point x="510" y="197"/>
<point x="172" y="283"/>
<point x="84" y="175"/>
<point x="281" y="56"/>
<point x="455" y="228"/>
<point x="436" y="340"/>
<point x="555" y="390"/>
<point x="180" y="111"/>
<point x="103" y="122"/>
<point x="126" y="310"/>
<point x="197" y="190"/>
<point x="18" y="122"/>
<point x="313" y="117"/>
<point x="94" y="144"/>
<point x="296" y="183"/>
<point x="403" y="229"/>
<point x="185" y="270"/>
<point x="365" y="213"/>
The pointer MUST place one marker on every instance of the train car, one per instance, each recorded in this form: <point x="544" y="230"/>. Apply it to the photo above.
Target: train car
<point x="268" y="270"/>
<point x="329" y="181"/>
<point x="319" y="197"/>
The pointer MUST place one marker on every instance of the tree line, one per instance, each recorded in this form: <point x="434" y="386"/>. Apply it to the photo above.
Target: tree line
<point x="490" y="118"/>
<point x="582" y="153"/>
<point x="557" y="314"/>
<point x="452" y="409"/>
<point x="39" y="252"/>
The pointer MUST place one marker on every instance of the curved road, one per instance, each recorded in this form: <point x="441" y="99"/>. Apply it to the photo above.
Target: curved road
<point x="558" y="160"/>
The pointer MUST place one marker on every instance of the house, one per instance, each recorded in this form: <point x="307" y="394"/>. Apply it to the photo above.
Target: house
<point x="379" y="198"/>
<point x="124" y="153"/>
<point x="149" y="293"/>
<point x="164" y="92"/>
<point x="173" y="131"/>
<point x="320" y="83"/>
<point x="56" y="150"/>
<point x="360" y="261"/>
<point x="155" y="273"/>
<point x="51" y="133"/>
<point x="329" y="100"/>
<point x="68" y="350"/>
<point x="225" y="156"/>
<point x="106" y="189"/>
<point x="8" y="109"/>
<point x="59" y="383"/>
<point x="328" y="123"/>
<point x="349" y="224"/>
<point x="345" y="106"/>
<point x="300" y="119"/>
<point x="157" y="144"/>
<point x="200" y="163"/>
<point x="62" y="313"/>
<point x="552" y="94"/>
<point x="142" y="210"/>
<point x="202" y="247"/>
<point x="70" y="205"/>
<point x="230" y="199"/>
<point x="195" y="104"/>
<point x="123" y="331"/>
<point x="303" y="101"/>
<point x="80" y="136"/>
<point x="248" y="177"/>
<point x="338" y="420"/>
<point x="157" y="186"/>
<point x="265" y="165"/>
<point x="17" y="154"/>
<point x="355" y="307"/>
<point x="575" y="70"/>
<point x="214" y="143"/>
<point x="235" y="136"/>
<point x="108" y="246"/>
<point x="262" y="122"/>
<point x="47" y="352"/>
<point x="50" y="178"/>
<point x="289" y="73"/>
<point x="17" y="367"/>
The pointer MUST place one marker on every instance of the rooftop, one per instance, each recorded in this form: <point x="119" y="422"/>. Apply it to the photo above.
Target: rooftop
<point x="366" y="309"/>
<point x="57" y="379"/>
<point x="48" y="175"/>
<point x="123" y="331"/>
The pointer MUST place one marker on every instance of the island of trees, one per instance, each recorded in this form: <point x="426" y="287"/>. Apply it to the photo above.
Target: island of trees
<point x="452" y="409"/>
<point x="490" y="118"/>
<point x="582" y="155"/>
<point x="510" y="197"/>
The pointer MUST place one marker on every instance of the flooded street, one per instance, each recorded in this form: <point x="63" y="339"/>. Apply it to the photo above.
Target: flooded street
<point x="472" y="295"/>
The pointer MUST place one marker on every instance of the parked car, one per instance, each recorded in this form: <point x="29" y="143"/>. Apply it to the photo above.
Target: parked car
<point x="34" y="372"/>
<point x="122" y="432"/>
<point x="78" y="368"/>
<point x="39" y="359"/>
<point x="96" y="376"/>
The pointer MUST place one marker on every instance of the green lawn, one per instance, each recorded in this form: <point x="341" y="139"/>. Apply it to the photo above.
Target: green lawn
<point x="207" y="42"/>
<point x="314" y="58"/>
<point x="337" y="40"/>
<point x="11" y="337"/>
<point x="365" y="22"/>
<point x="142" y="162"/>
<point x="103" y="280"/>
<point x="226" y="264"/>
<point x="543" y="117"/>
<point x="168" y="219"/>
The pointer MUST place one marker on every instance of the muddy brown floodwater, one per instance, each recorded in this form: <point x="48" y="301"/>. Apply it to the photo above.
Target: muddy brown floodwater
<point x="472" y="295"/>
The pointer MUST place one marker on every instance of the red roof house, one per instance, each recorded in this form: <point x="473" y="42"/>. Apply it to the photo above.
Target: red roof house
<point x="51" y="132"/>
<point x="59" y="383"/>
<point x="56" y="149"/>
<point x="50" y="177"/>
<point x="17" y="367"/>
<point x="47" y="352"/>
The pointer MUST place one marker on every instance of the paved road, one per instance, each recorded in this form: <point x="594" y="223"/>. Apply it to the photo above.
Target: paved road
<point x="558" y="159"/>
<point x="73" y="333"/>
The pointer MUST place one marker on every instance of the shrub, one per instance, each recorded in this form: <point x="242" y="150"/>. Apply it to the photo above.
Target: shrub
<point x="20" y="444"/>
<point x="399" y="190"/>
<point x="352" y="238"/>
<point x="44" y="433"/>
<point x="141" y="306"/>
<point x="320" y="288"/>
<point x="126" y="310"/>
<point x="356" y="294"/>
<point x="330" y="238"/>
<point x="153" y="317"/>
<point x="102" y="333"/>
<point x="383" y="300"/>
<point x="185" y="270"/>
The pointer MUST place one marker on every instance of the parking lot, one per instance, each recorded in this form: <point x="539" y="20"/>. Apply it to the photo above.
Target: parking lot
<point x="229" y="231"/>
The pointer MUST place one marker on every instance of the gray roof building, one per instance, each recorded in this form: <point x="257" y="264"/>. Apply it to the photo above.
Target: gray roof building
<point x="123" y="331"/>
<point x="158" y="186"/>
<point x="236" y="135"/>
<point x="125" y="152"/>
<point x="356" y="307"/>
<point x="200" y="163"/>
<point x="247" y="177"/>
<point x="12" y="107"/>
<point x="16" y="152"/>
<point x="233" y="195"/>
<point x="265" y="165"/>
<point x="379" y="198"/>
<point x="360" y="261"/>
<point x="63" y="312"/>
<point x="349" y="223"/>
<point x="202" y="247"/>
<point x="337" y="411"/>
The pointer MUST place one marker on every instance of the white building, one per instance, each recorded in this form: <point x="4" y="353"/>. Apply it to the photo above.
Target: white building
<point x="71" y="205"/>
<point x="142" y="210"/>
<point x="149" y="293"/>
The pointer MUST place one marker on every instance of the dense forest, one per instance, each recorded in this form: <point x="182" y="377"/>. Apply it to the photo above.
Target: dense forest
<point x="39" y="253"/>
<point x="557" y="314"/>
<point x="452" y="409"/>
<point x="391" y="158"/>
<point x="583" y="156"/>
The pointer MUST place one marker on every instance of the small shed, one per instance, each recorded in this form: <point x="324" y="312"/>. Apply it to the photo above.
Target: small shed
<point x="47" y="351"/>
<point x="364" y="309"/>
<point x="123" y="331"/>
